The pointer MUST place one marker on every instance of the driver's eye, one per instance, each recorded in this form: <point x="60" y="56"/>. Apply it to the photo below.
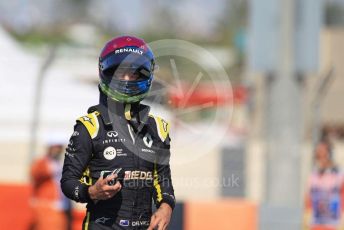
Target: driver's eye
<point x="127" y="75"/>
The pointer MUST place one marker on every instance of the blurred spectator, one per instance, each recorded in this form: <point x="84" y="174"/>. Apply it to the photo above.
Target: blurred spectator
<point x="325" y="192"/>
<point x="51" y="209"/>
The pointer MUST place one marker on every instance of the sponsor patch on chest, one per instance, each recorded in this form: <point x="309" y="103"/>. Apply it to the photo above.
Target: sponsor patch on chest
<point x="138" y="175"/>
<point x="109" y="153"/>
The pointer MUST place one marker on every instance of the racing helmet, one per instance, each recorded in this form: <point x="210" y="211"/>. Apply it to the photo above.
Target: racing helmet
<point x="121" y="56"/>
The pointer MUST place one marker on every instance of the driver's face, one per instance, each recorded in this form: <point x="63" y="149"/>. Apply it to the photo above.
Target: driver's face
<point x="127" y="75"/>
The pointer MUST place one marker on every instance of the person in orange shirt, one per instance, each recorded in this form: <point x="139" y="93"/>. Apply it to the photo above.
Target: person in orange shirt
<point x="324" y="204"/>
<point x="51" y="209"/>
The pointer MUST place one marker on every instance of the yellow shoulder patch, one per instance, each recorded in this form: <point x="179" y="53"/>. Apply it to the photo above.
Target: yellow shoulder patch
<point x="90" y="121"/>
<point x="163" y="127"/>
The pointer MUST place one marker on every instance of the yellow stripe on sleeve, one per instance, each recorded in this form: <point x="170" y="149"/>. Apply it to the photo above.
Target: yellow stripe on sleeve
<point x="156" y="184"/>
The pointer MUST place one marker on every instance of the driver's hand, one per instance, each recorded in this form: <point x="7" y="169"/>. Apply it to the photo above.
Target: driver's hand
<point x="161" y="218"/>
<point x="102" y="191"/>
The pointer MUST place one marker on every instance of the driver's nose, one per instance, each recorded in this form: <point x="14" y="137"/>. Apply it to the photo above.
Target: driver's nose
<point x="127" y="77"/>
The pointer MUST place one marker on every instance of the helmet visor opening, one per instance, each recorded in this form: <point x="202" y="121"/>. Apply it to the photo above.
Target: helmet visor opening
<point x="129" y="88"/>
<point x="126" y="73"/>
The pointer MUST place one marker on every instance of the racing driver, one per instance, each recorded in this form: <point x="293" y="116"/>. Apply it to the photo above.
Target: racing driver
<point x="117" y="159"/>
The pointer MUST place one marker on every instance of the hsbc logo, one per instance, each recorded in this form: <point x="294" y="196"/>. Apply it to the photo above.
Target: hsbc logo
<point x="112" y="134"/>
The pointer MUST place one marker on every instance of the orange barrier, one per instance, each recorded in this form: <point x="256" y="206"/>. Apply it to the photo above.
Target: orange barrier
<point x="78" y="217"/>
<point x="220" y="215"/>
<point x="322" y="228"/>
<point x="15" y="212"/>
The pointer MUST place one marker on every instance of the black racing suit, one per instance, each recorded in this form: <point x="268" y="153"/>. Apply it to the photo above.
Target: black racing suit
<point x="115" y="136"/>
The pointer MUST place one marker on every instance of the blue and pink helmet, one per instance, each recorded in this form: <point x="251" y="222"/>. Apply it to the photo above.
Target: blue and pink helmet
<point x="131" y="54"/>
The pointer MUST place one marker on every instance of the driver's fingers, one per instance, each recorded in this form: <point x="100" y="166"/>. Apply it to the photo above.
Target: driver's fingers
<point x="153" y="223"/>
<point x="113" y="188"/>
<point x="162" y="225"/>
<point x="108" y="194"/>
<point x="110" y="177"/>
<point x="100" y="181"/>
<point x="117" y="186"/>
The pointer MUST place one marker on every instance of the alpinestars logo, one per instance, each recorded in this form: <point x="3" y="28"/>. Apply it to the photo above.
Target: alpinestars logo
<point x="102" y="220"/>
